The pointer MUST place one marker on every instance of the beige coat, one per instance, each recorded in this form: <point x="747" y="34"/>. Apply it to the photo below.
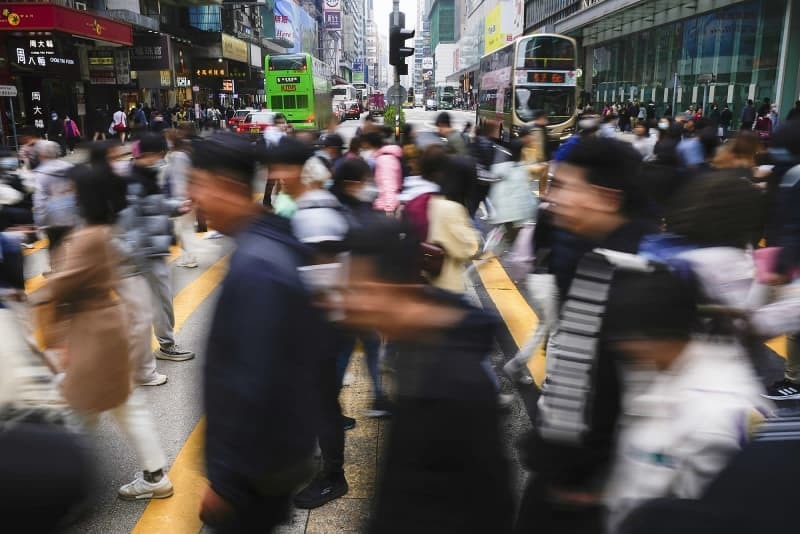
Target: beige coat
<point x="450" y="228"/>
<point x="96" y="363"/>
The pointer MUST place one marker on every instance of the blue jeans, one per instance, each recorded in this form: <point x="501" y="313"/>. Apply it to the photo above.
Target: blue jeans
<point x="371" y="342"/>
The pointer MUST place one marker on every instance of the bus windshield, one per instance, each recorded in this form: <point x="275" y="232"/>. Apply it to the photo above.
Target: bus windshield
<point x="552" y="53"/>
<point x="339" y="92"/>
<point x="557" y="102"/>
<point x="287" y="62"/>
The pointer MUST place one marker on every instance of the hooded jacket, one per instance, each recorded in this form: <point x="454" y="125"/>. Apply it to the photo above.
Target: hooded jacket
<point x="261" y="364"/>
<point x="54" y="199"/>
<point x="388" y="177"/>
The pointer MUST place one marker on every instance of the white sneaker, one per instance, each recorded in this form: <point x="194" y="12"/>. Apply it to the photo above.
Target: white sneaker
<point x="140" y="489"/>
<point x="189" y="264"/>
<point x="348" y="379"/>
<point x="157" y="380"/>
<point x="213" y="234"/>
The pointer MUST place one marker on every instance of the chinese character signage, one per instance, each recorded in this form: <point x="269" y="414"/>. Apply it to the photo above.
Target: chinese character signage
<point x="233" y="48"/>
<point x="44" y="55"/>
<point x="101" y="67"/>
<point x="227" y="85"/>
<point x="150" y="52"/>
<point x="24" y="16"/>
<point x="333" y="20"/>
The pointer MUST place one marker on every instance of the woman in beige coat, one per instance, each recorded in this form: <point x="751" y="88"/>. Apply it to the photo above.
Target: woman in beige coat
<point x="95" y="362"/>
<point x="449" y="225"/>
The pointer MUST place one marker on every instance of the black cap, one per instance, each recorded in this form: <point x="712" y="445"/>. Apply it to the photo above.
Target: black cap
<point x="289" y="151"/>
<point x="228" y="154"/>
<point x="332" y="141"/>
<point x="443" y="119"/>
<point x="152" y="143"/>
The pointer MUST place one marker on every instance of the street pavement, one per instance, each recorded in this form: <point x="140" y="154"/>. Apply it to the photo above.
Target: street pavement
<point x="177" y="405"/>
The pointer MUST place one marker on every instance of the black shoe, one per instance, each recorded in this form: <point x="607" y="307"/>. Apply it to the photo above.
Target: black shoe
<point x="174" y="353"/>
<point x="348" y="423"/>
<point x="380" y="408"/>
<point x="323" y="489"/>
<point x="783" y="390"/>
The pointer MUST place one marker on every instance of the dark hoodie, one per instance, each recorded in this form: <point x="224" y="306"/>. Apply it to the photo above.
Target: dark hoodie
<point x="261" y="367"/>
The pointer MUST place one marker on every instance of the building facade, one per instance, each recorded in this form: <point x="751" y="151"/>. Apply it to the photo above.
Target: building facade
<point x="679" y="53"/>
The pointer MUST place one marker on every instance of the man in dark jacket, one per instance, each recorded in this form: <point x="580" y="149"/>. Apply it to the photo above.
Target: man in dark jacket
<point x="748" y="116"/>
<point x="596" y="203"/>
<point x="262" y="350"/>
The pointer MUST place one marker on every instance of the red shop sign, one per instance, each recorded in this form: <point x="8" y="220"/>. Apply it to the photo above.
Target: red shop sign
<point x="39" y="17"/>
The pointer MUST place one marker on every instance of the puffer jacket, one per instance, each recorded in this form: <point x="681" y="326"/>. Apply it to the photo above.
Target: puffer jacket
<point x="146" y="221"/>
<point x="54" y="199"/>
<point x="388" y="177"/>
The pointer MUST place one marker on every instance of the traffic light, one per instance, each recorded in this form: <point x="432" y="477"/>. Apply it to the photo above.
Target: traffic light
<point x="398" y="51"/>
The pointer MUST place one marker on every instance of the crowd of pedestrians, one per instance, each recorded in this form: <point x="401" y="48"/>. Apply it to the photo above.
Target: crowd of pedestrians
<point x="658" y="265"/>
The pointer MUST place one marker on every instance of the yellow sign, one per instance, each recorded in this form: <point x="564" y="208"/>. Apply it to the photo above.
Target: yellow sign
<point x="233" y="48"/>
<point x="494" y="37"/>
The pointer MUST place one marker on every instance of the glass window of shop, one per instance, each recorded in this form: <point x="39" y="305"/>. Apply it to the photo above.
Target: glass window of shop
<point x="739" y="44"/>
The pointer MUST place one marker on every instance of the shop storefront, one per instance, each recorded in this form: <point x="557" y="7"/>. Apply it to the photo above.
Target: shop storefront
<point x="51" y="50"/>
<point x="674" y="54"/>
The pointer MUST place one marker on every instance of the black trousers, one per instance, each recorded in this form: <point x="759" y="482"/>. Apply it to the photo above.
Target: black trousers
<point x="261" y="516"/>
<point x="539" y="513"/>
<point x="330" y="431"/>
<point x="444" y="470"/>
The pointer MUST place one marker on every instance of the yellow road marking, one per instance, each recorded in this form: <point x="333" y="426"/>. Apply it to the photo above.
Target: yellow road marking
<point x="179" y="513"/>
<point x="35" y="283"/>
<point x="778" y="344"/>
<point x="515" y="311"/>
<point x="37" y="246"/>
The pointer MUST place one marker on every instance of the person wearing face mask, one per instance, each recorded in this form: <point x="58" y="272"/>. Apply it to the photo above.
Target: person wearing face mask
<point x="642" y="141"/>
<point x="152" y="211"/>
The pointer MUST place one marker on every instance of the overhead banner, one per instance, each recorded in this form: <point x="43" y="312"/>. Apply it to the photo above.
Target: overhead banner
<point x="295" y="27"/>
<point x="493" y="33"/>
<point x="19" y="17"/>
<point x="233" y="48"/>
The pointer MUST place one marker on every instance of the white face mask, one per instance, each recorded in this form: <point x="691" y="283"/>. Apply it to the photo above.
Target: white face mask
<point x="366" y="154"/>
<point x="663" y="125"/>
<point x="368" y="194"/>
<point x="121" y="167"/>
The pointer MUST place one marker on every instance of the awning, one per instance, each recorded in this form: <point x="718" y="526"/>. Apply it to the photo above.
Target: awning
<point x="455" y="77"/>
<point x="22" y="17"/>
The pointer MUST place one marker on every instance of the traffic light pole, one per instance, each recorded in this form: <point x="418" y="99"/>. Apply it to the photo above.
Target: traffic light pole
<point x="397" y="103"/>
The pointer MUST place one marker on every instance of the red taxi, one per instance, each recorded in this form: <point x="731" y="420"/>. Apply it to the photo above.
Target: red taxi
<point x="238" y="116"/>
<point x="255" y="122"/>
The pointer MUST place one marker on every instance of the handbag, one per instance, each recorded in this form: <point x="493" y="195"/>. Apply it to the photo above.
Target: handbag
<point x="431" y="259"/>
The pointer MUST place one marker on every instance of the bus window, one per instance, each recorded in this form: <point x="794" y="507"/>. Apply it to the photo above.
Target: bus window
<point x="507" y="100"/>
<point x="487" y="99"/>
<point x="287" y="62"/>
<point x="558" y="103"/>
<point x="554" y="53"/>
<point x="302" y="101"/>
<point x="277" y="102"/>
<point x="289" y="102"/>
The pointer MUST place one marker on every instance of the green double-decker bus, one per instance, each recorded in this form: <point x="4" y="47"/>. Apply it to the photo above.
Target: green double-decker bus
<point x="299" y="87"/>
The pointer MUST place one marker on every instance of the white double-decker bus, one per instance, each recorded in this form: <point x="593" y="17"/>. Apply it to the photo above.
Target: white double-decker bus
<point x="535" y="72"/>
